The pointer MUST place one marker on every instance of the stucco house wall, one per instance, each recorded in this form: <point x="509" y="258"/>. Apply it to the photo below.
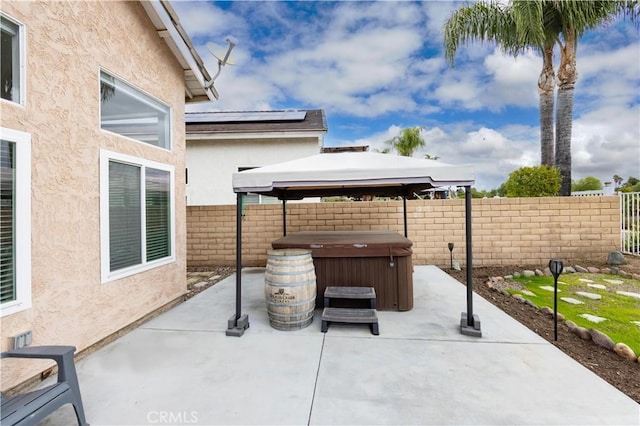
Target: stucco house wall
<point x="67" y="44"/>
<point x="210" y="163"/>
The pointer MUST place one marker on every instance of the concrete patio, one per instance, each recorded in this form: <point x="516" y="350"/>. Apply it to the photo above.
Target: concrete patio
<point x="181" y="368"/>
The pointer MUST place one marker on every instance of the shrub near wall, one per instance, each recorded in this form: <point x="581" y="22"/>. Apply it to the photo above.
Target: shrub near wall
<point x="506" y="231"/>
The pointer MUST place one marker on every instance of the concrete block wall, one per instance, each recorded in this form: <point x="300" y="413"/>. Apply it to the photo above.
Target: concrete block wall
<point x="506" y="231"/>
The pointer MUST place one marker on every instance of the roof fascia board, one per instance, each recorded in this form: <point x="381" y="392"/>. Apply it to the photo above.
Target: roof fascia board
<point x="261" y="135"/>
<point x="167" y="30"/>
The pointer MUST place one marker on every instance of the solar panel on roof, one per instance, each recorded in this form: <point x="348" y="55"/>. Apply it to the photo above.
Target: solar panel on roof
<point x="242" y="117"/>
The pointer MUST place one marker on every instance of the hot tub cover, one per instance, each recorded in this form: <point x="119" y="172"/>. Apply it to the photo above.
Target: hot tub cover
<point x="347" y="243"/>
<point x="350" y="173"/>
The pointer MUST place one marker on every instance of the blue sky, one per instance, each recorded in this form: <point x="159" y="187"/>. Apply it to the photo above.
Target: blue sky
<point x="377" y="67"/>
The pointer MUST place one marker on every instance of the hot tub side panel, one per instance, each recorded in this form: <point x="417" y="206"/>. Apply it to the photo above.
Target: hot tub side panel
<point x="393" y="284"/>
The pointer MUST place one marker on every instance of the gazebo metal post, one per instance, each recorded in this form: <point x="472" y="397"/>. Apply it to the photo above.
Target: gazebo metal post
<point x="284" y="216"/>
<point x="404" y="215"/>
<point x="469" y="323"/>
<point x="238" y="323"/>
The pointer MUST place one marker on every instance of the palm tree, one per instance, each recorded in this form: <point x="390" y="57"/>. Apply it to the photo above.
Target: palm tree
<point x="407" y="141"/>
<point x="570" y="20"/>
<point x="617" y="180"/>
<point x="543" y="24"/>
<point x="502" y="24"/>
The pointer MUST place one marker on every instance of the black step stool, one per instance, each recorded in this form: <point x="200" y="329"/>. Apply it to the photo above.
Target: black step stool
<point x="350" y="315"/>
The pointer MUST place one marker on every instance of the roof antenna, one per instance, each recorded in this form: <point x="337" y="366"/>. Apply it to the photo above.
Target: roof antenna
<point x="221" y="63"/>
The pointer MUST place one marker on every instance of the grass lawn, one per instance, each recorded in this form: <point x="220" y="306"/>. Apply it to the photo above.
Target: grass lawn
<point x="620" y="311"/>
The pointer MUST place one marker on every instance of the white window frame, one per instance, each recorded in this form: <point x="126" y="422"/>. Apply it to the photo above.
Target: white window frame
<point x="106" y="274"/>
<point x="22" y="72"/>
<point x="140" y="95"/>
<point x="22" y="243"/>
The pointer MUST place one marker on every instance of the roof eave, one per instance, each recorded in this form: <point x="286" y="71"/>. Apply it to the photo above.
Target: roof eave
<point x="167" y="25"/>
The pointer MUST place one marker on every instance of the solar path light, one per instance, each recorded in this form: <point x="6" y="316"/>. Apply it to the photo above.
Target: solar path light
<point x="556" y="267"/>
<point x="450" y="245"/>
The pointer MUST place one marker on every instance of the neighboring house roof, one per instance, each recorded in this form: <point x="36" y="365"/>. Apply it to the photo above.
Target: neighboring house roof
<point x="196" y="76"/>
<point x="255" y="124"/>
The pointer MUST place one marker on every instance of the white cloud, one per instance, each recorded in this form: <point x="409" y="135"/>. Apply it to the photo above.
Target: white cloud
<point x="204" y="19"/>
<point x="498" y="82"/>
<point x="607" y="142"/>
<point x="383" y="61"/>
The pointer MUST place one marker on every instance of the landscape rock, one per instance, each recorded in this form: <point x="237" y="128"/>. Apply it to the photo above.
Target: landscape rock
<point x="579" y="268"/>
<point x="625" y="352"/>
<point x="547" y="272"/>
<point x="601" y="339"/>
<point x="582" y="332"/>
<point x="571" y="324"/>
<point x="530" y="303"/>
<point x="614" y="270"/>
<point x="517" y="275"/>
<point x="560" y="316"/>
<point x="547" y="310"/>
<point x="508" y="277"/>
<point x="635" y="276"/>
<point x="593" y="270"/>
<point x="528" y="273"/>
<point x="605" y="271"/>
<point x="489" y="283"/>
<point x="569" y="270"/>
<point x="616" y="258"/>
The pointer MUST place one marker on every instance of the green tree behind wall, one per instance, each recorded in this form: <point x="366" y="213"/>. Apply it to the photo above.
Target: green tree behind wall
<point x="589" y="183"/>
<point x="539" y="181"/>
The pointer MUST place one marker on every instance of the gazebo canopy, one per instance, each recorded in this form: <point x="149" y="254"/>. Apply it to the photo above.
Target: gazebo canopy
<point x="351" y="173"/>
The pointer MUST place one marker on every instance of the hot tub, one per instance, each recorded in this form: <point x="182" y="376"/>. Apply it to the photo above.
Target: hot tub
<point x="378" y="259"/>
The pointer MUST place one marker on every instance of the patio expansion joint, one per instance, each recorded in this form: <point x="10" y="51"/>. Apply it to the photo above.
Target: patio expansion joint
<point x="181" y="330"/>
<point x="484" y="340"/>
<point x="315" y="384"/>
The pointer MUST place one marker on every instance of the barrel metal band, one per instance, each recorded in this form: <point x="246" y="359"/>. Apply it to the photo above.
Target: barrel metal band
<point x="295" y="284"/>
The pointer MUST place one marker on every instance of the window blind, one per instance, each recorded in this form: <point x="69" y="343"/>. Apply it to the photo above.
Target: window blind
<point x="125" y="215"/>
<point x="7" y="222"/>
<point x="157" y="195"/>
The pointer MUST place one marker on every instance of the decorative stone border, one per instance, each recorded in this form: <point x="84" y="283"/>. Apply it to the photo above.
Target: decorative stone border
<point x="500" y="285"/>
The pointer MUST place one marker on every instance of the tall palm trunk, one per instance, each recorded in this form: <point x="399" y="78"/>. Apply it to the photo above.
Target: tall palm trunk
<point x="567" y="76"/>
<point x="546" y="87"/>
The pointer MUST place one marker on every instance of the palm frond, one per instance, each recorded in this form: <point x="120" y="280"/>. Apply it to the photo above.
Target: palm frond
<point x="478" y="21"/>
<point x="528" y="16"/>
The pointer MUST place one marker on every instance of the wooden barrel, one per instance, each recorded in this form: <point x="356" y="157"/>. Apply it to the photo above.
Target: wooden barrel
<point x="290" y="288"/>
